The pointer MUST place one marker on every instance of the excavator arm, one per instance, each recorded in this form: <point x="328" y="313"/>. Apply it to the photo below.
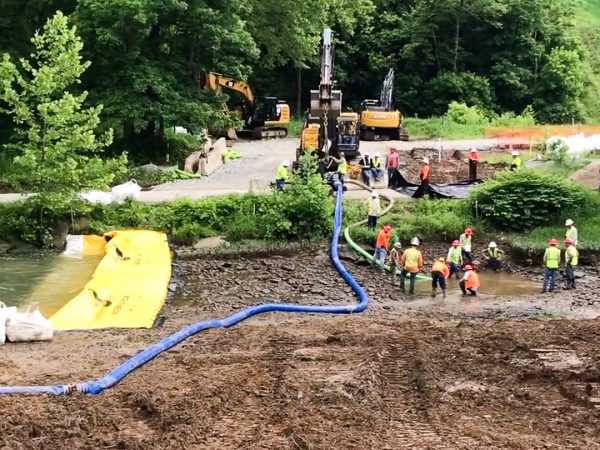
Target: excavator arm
<point x="217" y="81"/>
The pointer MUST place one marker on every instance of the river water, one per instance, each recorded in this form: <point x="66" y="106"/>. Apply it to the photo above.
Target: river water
<point x="47" y="281"/>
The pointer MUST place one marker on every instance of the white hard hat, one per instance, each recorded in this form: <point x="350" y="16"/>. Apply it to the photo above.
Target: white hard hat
<point x="374" y="194"/>
<point x="366" y="154"/>
<point x="414" y="241"/>
<point x="474" y="150"/>
<point x="492" y="245"/>
<point x="286" y="163"/>
<point x="425" y="160"/>
<point x="515" y="153"/>
<point x="376" y="154"/>
<point x="569" y="222"/>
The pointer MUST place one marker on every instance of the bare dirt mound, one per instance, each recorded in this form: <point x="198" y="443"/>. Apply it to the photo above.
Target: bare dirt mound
<point x="588" y="176"/>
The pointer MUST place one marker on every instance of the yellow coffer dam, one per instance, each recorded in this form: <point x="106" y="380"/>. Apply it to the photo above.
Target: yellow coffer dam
<point x="129" y="286"/>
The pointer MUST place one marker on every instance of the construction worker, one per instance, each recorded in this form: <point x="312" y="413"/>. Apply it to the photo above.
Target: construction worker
<point x="342" y="169"/>
<point x="465" y="243"/>
<point x="395" y="260"/>
<point x="517" y="162"/>
<point x="374" y="210"/>
<point x="469" y="283"/>
<point x="571" y="232"/>
<point x="551" y="261"/>
<point x="473" y="161"/>
<point x="439" y="274"/>
<point x="382" y="245"/>
<point x="365" y="167"/>
<point x="392" y="162"/>
<point x="493" y="255"/>
<point x="282" y="175"/>
<point x="455" y="258"/>
<point x="424" y="176"/>
<point x="571" y="261"/>
<point x="412" y="262"/>
<point x="376" y="167"/>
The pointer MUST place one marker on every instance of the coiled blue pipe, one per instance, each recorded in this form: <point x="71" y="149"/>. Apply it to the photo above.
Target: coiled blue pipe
<point x="115" y="376"/>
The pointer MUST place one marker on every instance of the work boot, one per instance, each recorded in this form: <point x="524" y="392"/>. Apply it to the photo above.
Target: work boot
<point x="444" y="295"/>
<point x="433" y="293"/>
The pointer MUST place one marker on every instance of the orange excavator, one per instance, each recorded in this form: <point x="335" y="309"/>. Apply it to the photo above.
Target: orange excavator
<point x="263" y="117"/>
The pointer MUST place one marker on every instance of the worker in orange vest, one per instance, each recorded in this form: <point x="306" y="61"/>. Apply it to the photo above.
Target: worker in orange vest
<point x="473" y="162"/>
<point x="382" y="245"/>
<point x="439" y="273"/>
<point x="470" y="281"/>
<point x="424" y="176"/>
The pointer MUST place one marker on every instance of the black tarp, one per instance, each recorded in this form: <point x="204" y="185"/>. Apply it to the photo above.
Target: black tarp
<point x="459" y="189"/>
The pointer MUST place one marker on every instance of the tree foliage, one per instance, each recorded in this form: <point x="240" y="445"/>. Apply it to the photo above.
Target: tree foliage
<point x="58" y="152"/>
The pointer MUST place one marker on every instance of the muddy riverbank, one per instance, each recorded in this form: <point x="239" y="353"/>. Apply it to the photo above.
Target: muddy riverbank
<point x="408" y="373"/>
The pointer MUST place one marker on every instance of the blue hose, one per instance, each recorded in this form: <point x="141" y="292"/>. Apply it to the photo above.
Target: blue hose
<point x="115" y="376"/>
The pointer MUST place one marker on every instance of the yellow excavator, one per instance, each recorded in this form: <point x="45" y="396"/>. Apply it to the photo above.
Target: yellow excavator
<point x="378" y="118"/>
<point x="263" y="117"/>
<point x="326" y="129"/>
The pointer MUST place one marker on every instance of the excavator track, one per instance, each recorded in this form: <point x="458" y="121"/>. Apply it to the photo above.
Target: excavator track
<point x="269" y="133"/>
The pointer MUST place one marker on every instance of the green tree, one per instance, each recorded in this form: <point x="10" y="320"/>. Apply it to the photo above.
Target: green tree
<point x="58" y="151"/>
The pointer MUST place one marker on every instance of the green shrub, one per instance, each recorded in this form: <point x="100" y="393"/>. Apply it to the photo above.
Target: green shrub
<point x="462" y="114"/>
<point x="243" y="226"/>
<point x="190" y="232"/>
<point x="528" y="199"/>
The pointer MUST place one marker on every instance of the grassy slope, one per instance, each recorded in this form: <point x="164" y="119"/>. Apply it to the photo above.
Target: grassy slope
<point x="588" y="27"/>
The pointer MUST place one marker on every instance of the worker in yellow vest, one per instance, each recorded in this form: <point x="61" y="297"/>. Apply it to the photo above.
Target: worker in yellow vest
<point x="571" y="261"/>
<point x="552" y="262"/>
<point x="412" y="262"/>
<point x="571" y="232"/>
<point x="455" y="258"/>
<point x="282" y="175"/>
<point x="374" y="206"/>
<point x="517" y="162"/>
<point x="466" y="240"/>
<point x="493" y="256"/>
<point x="342" y="169"/>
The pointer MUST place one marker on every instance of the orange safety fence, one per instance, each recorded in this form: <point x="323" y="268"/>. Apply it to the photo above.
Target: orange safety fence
<point x="526" y="137"/>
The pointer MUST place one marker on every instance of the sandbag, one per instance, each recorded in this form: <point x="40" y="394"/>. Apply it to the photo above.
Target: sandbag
<point x="28" y="326"/>
<point x="130" y="190"/>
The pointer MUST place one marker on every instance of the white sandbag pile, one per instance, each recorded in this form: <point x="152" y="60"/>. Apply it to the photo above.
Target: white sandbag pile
<point x="118" y="194"/>
<point x="16" y="326"/>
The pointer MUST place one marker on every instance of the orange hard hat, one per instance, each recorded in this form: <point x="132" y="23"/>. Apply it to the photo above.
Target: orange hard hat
<point x="469" y="231"/>
<point x="455" y="242"/>
<point x="568" y="241"/>
<point x="468" y="267"/>
<point x="553" y="242"/>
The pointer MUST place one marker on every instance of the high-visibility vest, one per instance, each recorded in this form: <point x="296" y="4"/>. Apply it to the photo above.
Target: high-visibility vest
<point x="412" y="259"/>
<point x="374" y="207"/>
<point x="343" y="167"/>
<point x="573" y="254"/>
<point x="516" y="164"/>
<point x="439" y="266"/>
<point x="376" y="163"/>
<point x="455" y="255"/>
<point x="571" y="234"/>
<point x="472" y="280"/>
<point x="552" y="257"/>
<point x="282" y="173"/>
<point x="494" y="253"/>
<point x="425" y="171"/>
<point x="465" y="240"/>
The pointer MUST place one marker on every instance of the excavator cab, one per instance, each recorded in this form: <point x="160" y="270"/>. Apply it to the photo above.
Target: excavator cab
<point x="347" y="134"/>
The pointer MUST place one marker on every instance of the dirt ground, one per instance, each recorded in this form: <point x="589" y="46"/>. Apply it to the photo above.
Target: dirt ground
<point x="494" y="373"/>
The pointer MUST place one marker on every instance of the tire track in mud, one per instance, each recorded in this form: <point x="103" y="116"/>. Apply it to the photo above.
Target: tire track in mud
<point x="411" y="418"/>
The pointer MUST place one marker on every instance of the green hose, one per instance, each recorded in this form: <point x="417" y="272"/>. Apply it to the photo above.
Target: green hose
<point x="357" y="248"/>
